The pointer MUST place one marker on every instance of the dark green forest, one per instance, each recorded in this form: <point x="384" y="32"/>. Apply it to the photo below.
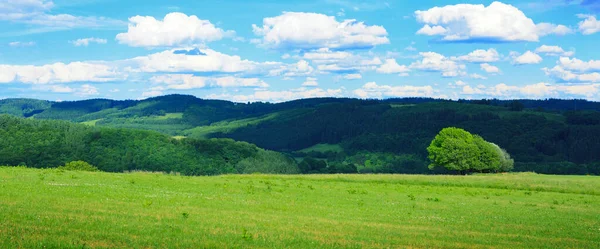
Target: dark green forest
<point x="49" y="144"/>
<point x="322" y="135"/>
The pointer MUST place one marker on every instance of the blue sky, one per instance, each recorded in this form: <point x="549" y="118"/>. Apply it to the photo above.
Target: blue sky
<point x="283" y="50"/>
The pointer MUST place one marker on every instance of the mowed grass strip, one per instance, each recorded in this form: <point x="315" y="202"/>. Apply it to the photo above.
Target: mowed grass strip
<point x="65" y="209"/>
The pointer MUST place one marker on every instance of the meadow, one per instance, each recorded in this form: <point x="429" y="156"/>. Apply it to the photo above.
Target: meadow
<point x="50" y="208"/>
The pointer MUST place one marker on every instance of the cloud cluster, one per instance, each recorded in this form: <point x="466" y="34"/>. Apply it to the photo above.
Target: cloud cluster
<point x="315" y="31"/>
<point x="479" y="56"/>
<point x="434" y="62"/>
<point x="553" y="51"/>
<point x="589" y="25"/>
<point x="575" y="70"/>
<point x="526" y="58"/>
<point x="59" y="73"/>
<point x="175" y="29"/>
<point x="373" y="90"/>
<point x="478" y="23"/>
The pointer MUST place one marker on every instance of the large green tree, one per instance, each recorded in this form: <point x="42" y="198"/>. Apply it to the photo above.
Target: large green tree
<point x="458" y="150"/>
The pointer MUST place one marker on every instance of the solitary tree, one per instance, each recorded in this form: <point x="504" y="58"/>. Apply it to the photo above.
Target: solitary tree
<point x="458" y="150"/>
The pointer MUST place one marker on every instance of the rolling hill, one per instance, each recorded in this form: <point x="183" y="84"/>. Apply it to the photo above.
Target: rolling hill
<point x="374" y="136"/>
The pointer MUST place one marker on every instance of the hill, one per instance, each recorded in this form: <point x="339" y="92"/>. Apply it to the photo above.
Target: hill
<point x="66" y="209"/>
<point x="380" y="136"/>
<point x="50" y="143"/>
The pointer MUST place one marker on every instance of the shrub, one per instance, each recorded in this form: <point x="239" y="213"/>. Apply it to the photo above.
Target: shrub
<point x="79" y="166"/>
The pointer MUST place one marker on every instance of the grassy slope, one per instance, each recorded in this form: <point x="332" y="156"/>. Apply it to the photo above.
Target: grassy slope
<point x="143" y="210"/>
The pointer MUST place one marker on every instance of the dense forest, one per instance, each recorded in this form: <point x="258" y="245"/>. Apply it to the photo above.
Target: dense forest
<point x="324" y="135"/>
<point x="49" y="144"/>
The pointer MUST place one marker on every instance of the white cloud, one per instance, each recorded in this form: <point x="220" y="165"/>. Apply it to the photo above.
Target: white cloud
<point x="193" y="60"/>
<point x="392" y="67"/>
<point x="59" y="73"/>
<point x="553" y="51"/>
<point x="300" y="68"/>
<point x="579" y="65"/>
<point x="479" y="56"/>
<point x="477" y="76"/>
<point x="544" y="29"/>
<point x="354" y="76"/>
<point x="53" y="88"/>
<point x="86" y="41"/>
<point x="310" y="82"/>
<point x="351" y="65"/>
<point x="188" y="81"/>
<point x="527" y="58"/>
<point x="372" y="90"/>
<point x="324" y="55"/>
<point x="152" y="93"/>
<point x="476" y="22"/>
<point x="21" y="44"/>
<point x="460" y="83"/>
<point x="434" y="62"/>
<point x="590" y="25"/>
<point x="410" y="48"/>
<point x="280" y="96"/>
<point x="37" y="12"/>
<point x="87" y="90"/>
<point x="175" y="29"/>
<point x="429" y="30"/>
<point x="299" y="30"/>
<point x="489" y="68"/>
<point x="545" y="90"/>
<point x="471" y="91"/>
<point x="563" y="75"/>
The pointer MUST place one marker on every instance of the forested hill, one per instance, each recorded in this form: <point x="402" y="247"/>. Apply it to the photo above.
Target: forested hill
<point x="49" y="144"/>
<point x="547" y="136"/>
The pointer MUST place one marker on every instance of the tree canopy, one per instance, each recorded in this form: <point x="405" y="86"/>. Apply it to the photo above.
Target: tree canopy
<point x="458" y="150"/>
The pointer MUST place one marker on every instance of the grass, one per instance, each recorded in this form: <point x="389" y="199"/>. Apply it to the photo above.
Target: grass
<point x="91" y="122"/>
<point x="227" y="126"/>
<point x="323" y="148"/>
<point x="176" y="115"/>
<point x="64" y="209"/>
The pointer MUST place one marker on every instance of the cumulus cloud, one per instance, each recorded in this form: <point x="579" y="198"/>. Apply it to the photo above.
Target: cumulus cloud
<point x="545" y="90"/>
<point x="434" y="62"/>
<point x="489" y="68"/>
<point x="589" y="25"/>
<point x="471" y="90"/>
<point x="579" y="65"/>
<point x="372" y="90"/>
<point x="59" y="73"/>
<point x="86" y="41"/>
<point x="174" y="30"/>
<point x="479" y="56"/>
<point x="299" y="30"/>
<point x="310" y="82"/>
<point x="392" y="67"/>
<point x="189" y="81"/>
<point x="280" y="96"/>
<point x="478" y="23"/>
<point x="527" y="58"/>
<point x="553" y="51"/>
<point x="205" y="60"/>
<point x="562" y="75"/>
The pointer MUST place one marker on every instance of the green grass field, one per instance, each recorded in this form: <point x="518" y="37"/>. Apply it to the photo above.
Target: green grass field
<point x="65" y="209"/>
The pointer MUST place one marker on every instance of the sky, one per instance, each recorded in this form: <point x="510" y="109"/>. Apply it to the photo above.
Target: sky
<point x="274" y="51"/>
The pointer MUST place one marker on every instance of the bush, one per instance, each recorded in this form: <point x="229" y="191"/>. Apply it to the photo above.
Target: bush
<point x="79" y="166"/>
